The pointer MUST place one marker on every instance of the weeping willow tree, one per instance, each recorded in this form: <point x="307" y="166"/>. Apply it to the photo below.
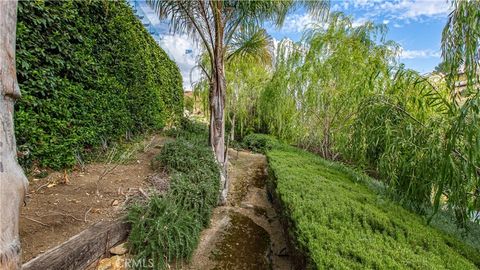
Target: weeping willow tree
<point x="215" y="23"/>
<point x="460" y="174"/>
<point x="248" y="79"/>
<point x="397" y="134"/>
<point x="424" y="139"/>
<point x="276" y="106"/>
<point x="340" y="92"/>
<point x="318" y="81"/>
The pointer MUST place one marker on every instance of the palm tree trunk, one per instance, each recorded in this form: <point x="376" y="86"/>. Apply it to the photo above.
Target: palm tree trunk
<point x="217" y="117"/>
<point x="217" y="101"/>
<point x="13" y="183"/>
<point x="217" y="125"/>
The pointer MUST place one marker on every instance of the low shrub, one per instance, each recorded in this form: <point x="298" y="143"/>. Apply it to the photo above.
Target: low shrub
<point x="191" y="130"/>
<point x="185" y="156"/>
<point x="259" y="143"/>
<point x="168" y="227"/>
<point x="196" y="192"/>
<point x="195" y="175"/>
<point x="237" y="145"/>
<point x="161" y="232"/>
<point x="339" y="223"/>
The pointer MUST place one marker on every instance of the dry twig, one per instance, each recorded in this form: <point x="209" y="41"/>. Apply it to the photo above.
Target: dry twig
<point x="86" y="213"/>
<point x="36" y="221"/>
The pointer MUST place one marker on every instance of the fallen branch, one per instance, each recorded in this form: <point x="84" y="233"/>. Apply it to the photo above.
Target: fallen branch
<point x="61" y="214"/>
<point x="86" y="213"/>
<point x="36" y="221"/>
<point x="42" y="186"/>
<point x="144" y="193"/>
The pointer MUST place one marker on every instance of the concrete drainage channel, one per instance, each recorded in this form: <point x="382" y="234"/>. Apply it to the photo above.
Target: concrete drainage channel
<point x="242" y="244"/>
<point x="246" y="233"/>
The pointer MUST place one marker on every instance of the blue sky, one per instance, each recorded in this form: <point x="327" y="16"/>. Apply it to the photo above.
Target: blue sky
<point x="416" y="25"/>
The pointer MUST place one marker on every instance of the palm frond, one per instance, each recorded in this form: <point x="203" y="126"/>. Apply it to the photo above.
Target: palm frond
<point x="251" y="42"/>
<point x="185" y="16"/>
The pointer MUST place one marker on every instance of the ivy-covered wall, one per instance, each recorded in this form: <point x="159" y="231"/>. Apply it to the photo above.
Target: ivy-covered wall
<point x="89" y="73"/>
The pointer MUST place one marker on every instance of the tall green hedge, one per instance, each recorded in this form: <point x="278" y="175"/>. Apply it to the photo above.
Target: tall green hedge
<point x="89" y="74"/>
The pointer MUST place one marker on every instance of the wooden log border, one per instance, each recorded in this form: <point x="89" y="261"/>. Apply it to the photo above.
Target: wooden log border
<point x="83" y="249"/>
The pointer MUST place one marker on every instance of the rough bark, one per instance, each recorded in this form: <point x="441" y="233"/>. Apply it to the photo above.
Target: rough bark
<point x="217" y="101"/>
<point x="13" y="183"/>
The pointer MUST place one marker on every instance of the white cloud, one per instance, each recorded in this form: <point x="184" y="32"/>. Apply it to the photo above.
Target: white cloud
<point x="363" y="3"/>
<point x="358" y="22"/>
<point x="415" y="54"/>
<point x="176" y="47"/>
<point x="415" y="9"/>
<point x="399" y="10"/>
<point x="148" y="12"/>
<point x="386" y="21"/>
<point x="297" y="22"/>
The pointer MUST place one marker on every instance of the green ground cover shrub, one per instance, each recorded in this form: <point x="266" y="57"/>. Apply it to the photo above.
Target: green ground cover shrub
<point x="162" y="231"/>
<point x="90" y="75"/>
<point x="339" y="223"/>
<point x="259" y="143"/>
<point x="191" y="130"/>
<point x="168" y="227"/>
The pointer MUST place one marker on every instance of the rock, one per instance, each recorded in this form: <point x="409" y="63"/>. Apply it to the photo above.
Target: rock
<point x="115" y="202"/>
<point x="247" y="205"/>
<point x="119" y="249"/>
<point x="112" y="263"/>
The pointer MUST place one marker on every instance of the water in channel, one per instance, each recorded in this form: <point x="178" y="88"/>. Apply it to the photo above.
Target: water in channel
<point x="245" y="233"/>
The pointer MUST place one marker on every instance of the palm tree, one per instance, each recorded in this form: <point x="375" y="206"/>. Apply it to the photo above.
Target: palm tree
<point x="214" y="23"/>
<point x="248" y="60"/>
<point x="13" y="183"/>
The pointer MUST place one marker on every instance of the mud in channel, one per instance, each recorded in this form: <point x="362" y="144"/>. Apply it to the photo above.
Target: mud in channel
<point x="245" y="233"/>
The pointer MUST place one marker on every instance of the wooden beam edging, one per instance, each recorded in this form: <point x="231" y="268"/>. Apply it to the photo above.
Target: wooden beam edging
<point x="81" y="250"/>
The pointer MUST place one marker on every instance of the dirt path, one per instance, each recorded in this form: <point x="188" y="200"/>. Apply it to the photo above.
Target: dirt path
<point x="63" y="204"/>
<point x="246" y="233"/>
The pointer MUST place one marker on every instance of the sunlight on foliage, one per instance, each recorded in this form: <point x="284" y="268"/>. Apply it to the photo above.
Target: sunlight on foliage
<point x="90" y="74"/>
<point x="339" y="223"/>
<point x="341" y="93"/>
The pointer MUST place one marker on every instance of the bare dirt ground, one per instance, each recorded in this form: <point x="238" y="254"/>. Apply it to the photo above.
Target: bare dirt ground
<point x="246" y="233"/>
<point x="63" y="204"/>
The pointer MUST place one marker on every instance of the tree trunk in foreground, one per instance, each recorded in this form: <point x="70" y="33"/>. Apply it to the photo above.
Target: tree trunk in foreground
<point x="13" y="183"/>
<point x="217" y="102"/>
<point x="217" y="128"/>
